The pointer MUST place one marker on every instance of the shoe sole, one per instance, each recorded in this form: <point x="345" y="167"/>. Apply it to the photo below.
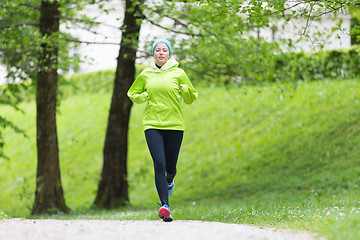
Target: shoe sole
<point x="165" y="215"/>
<point x="168" y="219"/>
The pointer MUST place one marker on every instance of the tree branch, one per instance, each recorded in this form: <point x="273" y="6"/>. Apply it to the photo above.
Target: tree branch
<point x="30" y="5"/>
<point x="88" y="22"/>
<point x="18" y="25"/>
<point x="87" y="42"/>
<point x="312" y="42"/>
<point x="172" y="30"/>
<point x="308" y="19"/>
<point x="177" y="21"/>
<point x="276" y="12"/>
<point x="146" y="53"/>
<point x="327" y="12"/>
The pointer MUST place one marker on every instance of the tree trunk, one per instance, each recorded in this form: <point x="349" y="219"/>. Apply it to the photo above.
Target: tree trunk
<point x="49" y="196"/>
<point x="113" y="186"/>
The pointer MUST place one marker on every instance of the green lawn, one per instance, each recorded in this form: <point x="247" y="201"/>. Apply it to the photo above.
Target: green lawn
<point x="285" y="156"/>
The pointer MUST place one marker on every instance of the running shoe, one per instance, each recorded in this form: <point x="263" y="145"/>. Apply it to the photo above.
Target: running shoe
<point x="164" y="213"/>
<point x="171" y="187"/>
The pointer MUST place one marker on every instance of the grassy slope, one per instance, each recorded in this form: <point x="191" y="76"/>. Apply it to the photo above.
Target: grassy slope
<point x="281" y="154"/>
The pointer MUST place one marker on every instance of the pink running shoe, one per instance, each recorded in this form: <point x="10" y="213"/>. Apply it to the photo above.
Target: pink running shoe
<point x="164" y="213"/>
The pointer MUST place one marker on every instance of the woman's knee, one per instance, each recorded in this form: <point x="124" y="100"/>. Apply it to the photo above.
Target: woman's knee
<point x="159" y="167"/>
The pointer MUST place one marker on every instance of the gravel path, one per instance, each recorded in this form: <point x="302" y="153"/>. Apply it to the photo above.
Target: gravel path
<point x="16" y="229"/>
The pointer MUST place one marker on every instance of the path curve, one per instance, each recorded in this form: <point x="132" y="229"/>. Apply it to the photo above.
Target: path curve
<point x="16" y="229"/>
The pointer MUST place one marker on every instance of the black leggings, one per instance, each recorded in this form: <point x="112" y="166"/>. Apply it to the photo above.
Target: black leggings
<point x="164" y="147"/>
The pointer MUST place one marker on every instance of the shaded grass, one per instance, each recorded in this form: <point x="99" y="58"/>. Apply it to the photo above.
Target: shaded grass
<point x="270" y="155"/>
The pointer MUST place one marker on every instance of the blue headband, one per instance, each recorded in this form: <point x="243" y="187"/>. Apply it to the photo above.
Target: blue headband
<point x="168" y="44"/>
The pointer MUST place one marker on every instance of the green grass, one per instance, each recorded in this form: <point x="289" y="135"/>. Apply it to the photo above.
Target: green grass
<point x="284" y="156"/>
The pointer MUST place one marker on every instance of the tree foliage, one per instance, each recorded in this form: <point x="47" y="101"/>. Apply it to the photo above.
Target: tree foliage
<point x="20" y="45"/>
<point x="225" y="34"/>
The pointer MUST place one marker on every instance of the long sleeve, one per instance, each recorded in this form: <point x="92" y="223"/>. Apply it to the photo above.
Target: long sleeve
<point x="188" y="91"/>
<point x="159" y="89"/>
<point x="137" y="92"/>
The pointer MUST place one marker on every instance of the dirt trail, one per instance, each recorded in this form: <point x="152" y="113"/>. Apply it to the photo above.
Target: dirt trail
<point x="16" y="229"/>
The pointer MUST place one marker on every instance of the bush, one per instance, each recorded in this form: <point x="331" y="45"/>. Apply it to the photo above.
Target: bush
<point x="331" y="64"/>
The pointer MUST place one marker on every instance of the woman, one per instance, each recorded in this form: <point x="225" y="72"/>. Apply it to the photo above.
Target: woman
<point x="162" y="86"/>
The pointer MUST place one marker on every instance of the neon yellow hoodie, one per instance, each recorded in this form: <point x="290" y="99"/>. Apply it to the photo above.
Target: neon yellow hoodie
<point x="159" y="88"/>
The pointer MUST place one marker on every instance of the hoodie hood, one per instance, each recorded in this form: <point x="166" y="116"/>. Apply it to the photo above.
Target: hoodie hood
<point x="170" y="64"/>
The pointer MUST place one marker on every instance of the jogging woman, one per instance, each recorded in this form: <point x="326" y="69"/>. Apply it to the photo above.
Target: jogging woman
<point x="162" y="86"/>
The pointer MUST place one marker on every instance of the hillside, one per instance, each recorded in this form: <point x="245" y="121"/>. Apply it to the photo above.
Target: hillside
<point x="289" y="143"/>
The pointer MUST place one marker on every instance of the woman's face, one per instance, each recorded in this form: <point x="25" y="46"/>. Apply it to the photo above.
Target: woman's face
<point x="161" y="54"/>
